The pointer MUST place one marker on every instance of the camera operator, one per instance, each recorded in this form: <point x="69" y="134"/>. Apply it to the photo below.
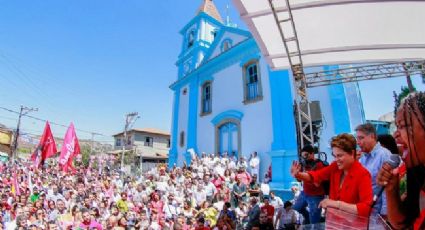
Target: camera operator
<point x="312" y="194"/>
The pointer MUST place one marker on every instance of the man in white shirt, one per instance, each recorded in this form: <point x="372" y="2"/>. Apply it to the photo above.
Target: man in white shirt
<point x="275" y="201"/>
<point x="171" y="209"/>
<point x="200" y="194"/>
<point x="210" y="188"/>
<point x="232" y="164"/>
<point x="54" y="194"/>
<point x="254" y="163"/>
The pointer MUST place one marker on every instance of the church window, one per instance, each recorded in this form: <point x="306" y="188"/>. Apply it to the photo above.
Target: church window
<point x="228" y="137"/>
<point x="225" y="45"/>
<point x="206" y="98"/>
<point x="214" y="34"/>
<point x="191" y="39"/>
<point x="184" y="91"/>
<point x="252" y="82"/>
<point x="182" y="139"/>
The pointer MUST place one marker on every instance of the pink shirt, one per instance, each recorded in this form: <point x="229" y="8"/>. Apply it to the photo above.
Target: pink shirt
<point x="244" y="177"/>
<point x="93" y="224"/>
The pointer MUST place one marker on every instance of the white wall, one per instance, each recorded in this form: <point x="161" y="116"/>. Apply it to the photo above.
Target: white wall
<point x="183" y="119"/>
<point x="236" y="38"/>
<point x="256" y="124"/>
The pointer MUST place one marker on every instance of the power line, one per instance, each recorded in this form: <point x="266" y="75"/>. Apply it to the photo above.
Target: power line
<point x="53" y="123"/>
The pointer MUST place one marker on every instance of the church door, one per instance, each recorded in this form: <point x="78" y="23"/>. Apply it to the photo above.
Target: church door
<point x="228" y="138"/>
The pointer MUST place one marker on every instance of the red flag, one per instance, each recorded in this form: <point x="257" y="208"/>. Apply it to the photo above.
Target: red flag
<point x="46" y="148"/>
<point x="70" y="149"/>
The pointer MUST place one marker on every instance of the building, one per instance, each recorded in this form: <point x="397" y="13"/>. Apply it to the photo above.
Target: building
<point x="390" y="118"/>
<point x="5" y="142"/>
<point x="227" y="99"/>
<point x="381" y="127"/>
<point x="151" y="144"/>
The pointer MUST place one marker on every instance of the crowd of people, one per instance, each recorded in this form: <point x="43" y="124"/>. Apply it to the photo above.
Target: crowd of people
<point x="212" y="193"/>
<point x="221" y="192"/>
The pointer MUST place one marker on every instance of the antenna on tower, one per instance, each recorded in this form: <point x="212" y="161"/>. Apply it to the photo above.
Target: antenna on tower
<point x="228" y="22"/>
<point x="227" y="15"/>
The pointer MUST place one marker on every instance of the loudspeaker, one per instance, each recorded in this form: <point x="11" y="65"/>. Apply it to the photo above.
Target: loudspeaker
<point x="315" y="111"/>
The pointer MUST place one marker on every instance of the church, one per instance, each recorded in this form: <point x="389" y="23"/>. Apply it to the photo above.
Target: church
<point x="228" y="100"/>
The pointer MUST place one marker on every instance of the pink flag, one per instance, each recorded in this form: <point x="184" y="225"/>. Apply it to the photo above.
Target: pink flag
<point x="70" y="149"/>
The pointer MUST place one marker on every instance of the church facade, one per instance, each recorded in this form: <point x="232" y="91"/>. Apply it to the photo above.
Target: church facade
<point x="228" y="100"/>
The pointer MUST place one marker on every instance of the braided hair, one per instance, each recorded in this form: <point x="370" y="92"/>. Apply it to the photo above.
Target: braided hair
<point x="413" y="107"/>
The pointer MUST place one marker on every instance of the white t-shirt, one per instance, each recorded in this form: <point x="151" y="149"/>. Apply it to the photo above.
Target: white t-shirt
<point x="219" y="205"/>
<point x="200" y="196"/>
<point x="287" y="217"/>
<point x="277" y="203"/>
<point x="170" y="210"/>
<point x="265" y="189"/>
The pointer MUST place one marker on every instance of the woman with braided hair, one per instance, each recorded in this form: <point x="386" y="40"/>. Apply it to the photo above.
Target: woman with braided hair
<point x="410" y="121"/>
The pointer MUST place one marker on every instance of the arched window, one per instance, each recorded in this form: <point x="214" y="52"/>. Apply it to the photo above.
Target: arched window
<point x="252" y="82"/>
<point x="213" y="34"/>
<point x="191" y="39"/>
<point x="206" y="98"/>
<point x="226" y="44"/>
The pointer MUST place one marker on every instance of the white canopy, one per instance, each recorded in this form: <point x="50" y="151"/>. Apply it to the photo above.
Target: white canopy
<point x="338" y="31"/>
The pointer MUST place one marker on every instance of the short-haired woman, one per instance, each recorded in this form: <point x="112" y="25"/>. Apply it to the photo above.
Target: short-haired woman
<point x="350" y="183"/>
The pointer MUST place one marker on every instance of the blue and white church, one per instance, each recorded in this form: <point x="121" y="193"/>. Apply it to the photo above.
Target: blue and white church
<point x="227" y="99"/>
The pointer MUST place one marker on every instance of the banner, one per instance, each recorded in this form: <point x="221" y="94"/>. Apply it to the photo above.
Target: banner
<point x="46" y="148"/>
<point x="5" y="137"/>
<point x="15" y="186"/>
<point x="70" y="149"/>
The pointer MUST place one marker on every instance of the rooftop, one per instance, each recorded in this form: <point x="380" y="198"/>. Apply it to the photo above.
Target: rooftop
<point x="146" y="130"/>
<point x="209" y="8"/>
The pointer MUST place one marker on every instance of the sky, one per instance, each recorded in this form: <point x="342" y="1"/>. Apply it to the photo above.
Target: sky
<point x="91" y="62"/>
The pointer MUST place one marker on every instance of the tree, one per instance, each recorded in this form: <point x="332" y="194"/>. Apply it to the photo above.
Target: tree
<point x="404" y="92"/>
<point x="85" y="153"/>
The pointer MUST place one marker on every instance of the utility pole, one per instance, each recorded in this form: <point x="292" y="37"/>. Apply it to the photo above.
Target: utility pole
<point x="24" y="111"/>
<point x="92" y="142"/>
<point x="130" y="118"/>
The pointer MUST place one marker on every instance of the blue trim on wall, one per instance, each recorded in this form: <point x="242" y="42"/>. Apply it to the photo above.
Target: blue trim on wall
<point x="359" y="93"/>
<point x="193" y="116"/>
<point x="173" y="153"/>
<point x="281" y="163"/>
<point x="226" y="115"/>
<point x="219" y="37"/>
<point x="243" y="49"/>
<point x="284" y="130"/>
<point x="199" y="17"/>
<point x="247" y="58"/>
<point x="341" y="116"/>
<point x="204" y="78"/>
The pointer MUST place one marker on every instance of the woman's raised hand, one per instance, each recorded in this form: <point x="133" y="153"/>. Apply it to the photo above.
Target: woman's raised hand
<point x="295" y="168"/>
